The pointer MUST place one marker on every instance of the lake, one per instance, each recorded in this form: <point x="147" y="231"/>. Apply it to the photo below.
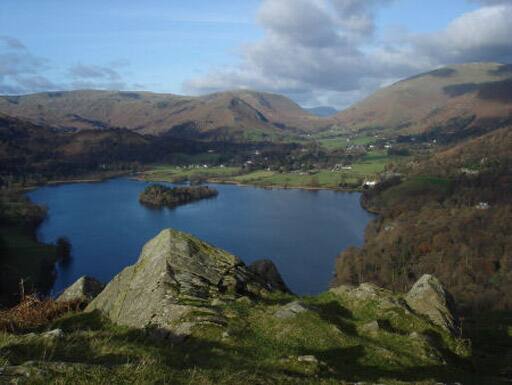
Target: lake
<point x="301" y="231"/>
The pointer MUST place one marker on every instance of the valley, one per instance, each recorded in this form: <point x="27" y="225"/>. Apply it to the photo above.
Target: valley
<point x="430" y="156"/>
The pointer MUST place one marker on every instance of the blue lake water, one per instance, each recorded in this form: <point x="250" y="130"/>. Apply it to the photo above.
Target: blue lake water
<point x="301" y="231"/>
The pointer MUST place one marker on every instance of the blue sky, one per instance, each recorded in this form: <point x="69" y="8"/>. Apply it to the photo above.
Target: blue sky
<point x="198" y="46"/>
<point x="163" y="42"/>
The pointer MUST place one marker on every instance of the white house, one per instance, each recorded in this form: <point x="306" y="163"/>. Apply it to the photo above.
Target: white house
<point x="483" y="206"/>
<point x="370" y="183"/>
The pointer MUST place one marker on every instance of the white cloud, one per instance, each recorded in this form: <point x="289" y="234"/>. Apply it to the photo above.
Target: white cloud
<point x="21" y="72"/>
<point x="481" y="35"/>
<point x="325" y="50"/>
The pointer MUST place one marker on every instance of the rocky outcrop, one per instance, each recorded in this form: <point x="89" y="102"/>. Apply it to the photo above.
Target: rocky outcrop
<point x="383" y="298"/>
<point x="83" y="290"/>
<point x="267" y="270"/>
<point x="290" y="310"/>
<point x="429" y="298"/>
<point x="171" y="287"/>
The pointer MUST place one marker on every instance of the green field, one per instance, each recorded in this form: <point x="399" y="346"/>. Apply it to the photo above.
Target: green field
<point x="333" y="143"/>
<point x="363" y="140"/>
<point x="173" y="173"/>
<point x="366" y="168"/>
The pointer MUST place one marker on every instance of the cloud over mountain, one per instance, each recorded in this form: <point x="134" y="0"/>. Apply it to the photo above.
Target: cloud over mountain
<point x="327" y="51"/>
<point x="22" y="72"/>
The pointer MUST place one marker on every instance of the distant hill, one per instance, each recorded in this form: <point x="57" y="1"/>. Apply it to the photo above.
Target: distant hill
<point x="322" y="111"/>
<point x="220" y="116"/>
<point x="467" y="99"/>
<point x="459" y="97"/>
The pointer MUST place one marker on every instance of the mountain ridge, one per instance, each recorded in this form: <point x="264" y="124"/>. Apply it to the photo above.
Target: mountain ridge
<point x="153" y="113"/>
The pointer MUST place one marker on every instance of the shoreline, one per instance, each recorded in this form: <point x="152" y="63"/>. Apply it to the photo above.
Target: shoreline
<point x="263" y="186"/>
<point x="139" y="177"/>
<point x="97" y="179"/>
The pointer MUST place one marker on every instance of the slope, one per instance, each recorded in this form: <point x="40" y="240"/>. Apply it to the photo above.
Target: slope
<point x="459" y="97"/>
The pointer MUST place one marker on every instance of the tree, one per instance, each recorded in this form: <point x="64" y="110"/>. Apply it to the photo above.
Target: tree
<point x="63" y="249"/>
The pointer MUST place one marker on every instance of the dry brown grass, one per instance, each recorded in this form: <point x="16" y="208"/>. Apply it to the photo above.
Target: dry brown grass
<point x="33" y="312"/>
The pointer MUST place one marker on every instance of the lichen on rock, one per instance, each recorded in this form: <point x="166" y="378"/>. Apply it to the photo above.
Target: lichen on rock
<point x="177" y="276"/>
<point x="429" y="298"/>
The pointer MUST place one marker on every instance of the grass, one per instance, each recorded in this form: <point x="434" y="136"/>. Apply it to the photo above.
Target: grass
<point x="363" y="140"/>
<point x="332" y="143"/>
<point x="336" y="143"/>
<point x="173" y="174"/>
<point x="368" y="167"/>
<point x="372" y="163"/>
<point x="254" y="348"/>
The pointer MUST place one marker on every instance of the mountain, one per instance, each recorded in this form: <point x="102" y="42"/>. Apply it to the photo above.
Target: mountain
<point x="322" y="111"/>
<point x="467" y="97"/>
<point x="237" y="114"/>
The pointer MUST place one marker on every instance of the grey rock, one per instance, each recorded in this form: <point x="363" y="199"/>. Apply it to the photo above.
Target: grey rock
<point x="267" y="270"/>
<point x="176" y="278"/>
<point x="85" y="289"/>
<point x="385" y="299"/>
<point x="56" y="333"/>
<point x="372" y="327"/>
<point x="244" y="300"/>
<point x="217" y="302"/>
<point x="25" y="373"/>
<point x="308" y="358"/>
<point x="290" y="310"/>
<point x="429" y="298"/>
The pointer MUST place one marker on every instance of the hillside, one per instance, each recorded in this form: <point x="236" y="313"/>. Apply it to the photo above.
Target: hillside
<point x="489" y="152"/>
<point x="240" y="114"/>
<point x="460" y="97"/>
<point x="27" y="149"/>
<point x="188" y="312"/>
<point x="448" y="215"/>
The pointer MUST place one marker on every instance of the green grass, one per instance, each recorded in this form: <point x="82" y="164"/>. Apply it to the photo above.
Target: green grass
<point x="323" y="179"/>
<point x="368" y="167"/>
<point x="331" y="144"/>
<point x="363" y="140"/>
<point x="173" y="173"/>
<point x="371" y="164"/>
<point x="254" y="348"/>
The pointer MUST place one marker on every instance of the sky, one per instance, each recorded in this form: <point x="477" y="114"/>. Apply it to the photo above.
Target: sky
<point x="318" y="52"/>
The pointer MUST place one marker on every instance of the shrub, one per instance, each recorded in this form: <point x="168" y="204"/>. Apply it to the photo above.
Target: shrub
<point x="33" y="312"/>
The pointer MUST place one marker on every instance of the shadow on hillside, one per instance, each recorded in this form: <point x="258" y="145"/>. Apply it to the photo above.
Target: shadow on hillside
<point x="491" y="336"/>
<point x="337" y="315"/>
<point x="100" y="343"/>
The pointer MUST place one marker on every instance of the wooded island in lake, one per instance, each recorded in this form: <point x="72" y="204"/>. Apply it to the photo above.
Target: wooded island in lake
<point x="158" y="195"/>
